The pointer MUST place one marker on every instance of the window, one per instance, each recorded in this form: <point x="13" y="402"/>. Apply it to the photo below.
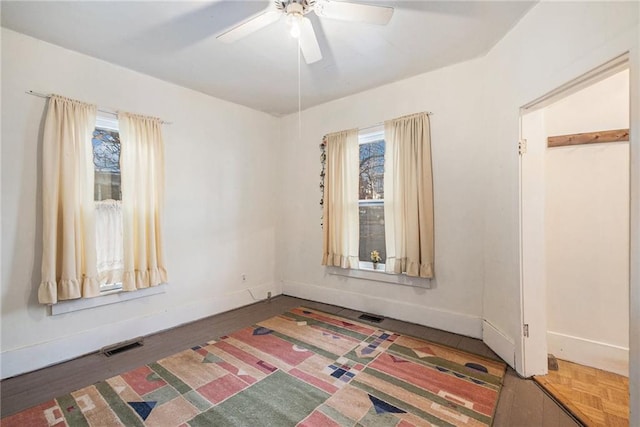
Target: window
<point x="399" y="212"/>
<point x="106" y="161"/>
<point x="107" y="197"/>
<point x="105" y="237"/>
<point x="371" y="196"/>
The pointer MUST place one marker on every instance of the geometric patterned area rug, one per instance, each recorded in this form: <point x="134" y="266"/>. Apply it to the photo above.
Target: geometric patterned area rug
<point x="302" y="368"/>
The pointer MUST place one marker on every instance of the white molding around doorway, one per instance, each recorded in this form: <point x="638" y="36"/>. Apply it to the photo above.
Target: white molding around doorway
<point x="533" y="358"/>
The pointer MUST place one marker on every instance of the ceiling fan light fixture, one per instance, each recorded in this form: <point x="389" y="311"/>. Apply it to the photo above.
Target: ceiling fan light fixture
<point x="294" y="12"/>
<point x="295" y="26"/>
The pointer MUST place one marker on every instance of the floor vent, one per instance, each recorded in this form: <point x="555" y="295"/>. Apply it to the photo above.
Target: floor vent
<point x="122" y="347"/>
<point x="371" y="318"/>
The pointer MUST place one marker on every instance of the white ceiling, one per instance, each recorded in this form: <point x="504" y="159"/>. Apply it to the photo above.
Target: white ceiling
<point x="175" y="41"/>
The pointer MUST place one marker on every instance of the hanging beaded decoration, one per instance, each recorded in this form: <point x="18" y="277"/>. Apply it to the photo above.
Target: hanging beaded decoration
<point x="323" y="163"/>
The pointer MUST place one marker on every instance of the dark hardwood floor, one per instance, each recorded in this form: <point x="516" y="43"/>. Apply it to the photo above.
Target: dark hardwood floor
<point x="522" y="403"/>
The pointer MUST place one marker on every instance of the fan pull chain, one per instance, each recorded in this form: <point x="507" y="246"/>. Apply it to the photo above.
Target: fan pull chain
<point x="299" y="98"/>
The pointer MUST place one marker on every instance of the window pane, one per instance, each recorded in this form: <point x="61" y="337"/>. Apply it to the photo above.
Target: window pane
<point x="372" y="231"/>
<point x="372" y="171"/>
<point x="106" y="159"/>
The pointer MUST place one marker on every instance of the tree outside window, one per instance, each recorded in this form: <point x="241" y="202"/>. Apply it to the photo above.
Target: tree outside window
<point x="371" y="195"/>
<point x="106" y="161"/>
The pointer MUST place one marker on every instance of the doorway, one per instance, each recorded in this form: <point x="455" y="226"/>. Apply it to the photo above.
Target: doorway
<point x="575" y="208"/>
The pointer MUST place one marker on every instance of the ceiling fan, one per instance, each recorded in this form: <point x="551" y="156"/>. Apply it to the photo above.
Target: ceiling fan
<point x="301" y="27"/>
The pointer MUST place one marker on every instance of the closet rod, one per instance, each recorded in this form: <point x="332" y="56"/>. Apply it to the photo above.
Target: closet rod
<point x="110" y="112"/>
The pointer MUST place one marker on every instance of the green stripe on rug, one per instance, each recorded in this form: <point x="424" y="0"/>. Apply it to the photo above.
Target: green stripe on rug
<point x="328" y="326"/>
<point x="198" y="401"/>
<point x="400" y="404"/>
<point x="161" y="395"/>
<point x="427" y="394"/>
<point x="277" y="400"/>
<point x="434" y="361"/>
<point x="352" y="355"/>
<point x="374" y="419"/>
<point x="336" y="416"/>
<point x="71" y="411"/>
<point x="170" y="378"/>
<point x="122" y="410"/>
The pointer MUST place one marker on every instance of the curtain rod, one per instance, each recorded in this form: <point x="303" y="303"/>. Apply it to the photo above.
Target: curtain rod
<point x="102" y="110"/>
<point x="428" y="113"/>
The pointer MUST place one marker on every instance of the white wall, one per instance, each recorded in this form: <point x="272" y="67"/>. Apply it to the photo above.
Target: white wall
<point x="219" y="213"/>
<point x="553" y="44"/>
<point x="475" y="140"/>
<point x="455" y="301"/>
<point x="634" y="293"/>
<point x="587" y="229"/>
<point x="475" y="133"/>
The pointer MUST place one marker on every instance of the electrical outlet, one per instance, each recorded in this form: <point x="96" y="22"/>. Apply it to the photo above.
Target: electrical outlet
<point x="244" y="277"/>
<point x="269" y="295"/>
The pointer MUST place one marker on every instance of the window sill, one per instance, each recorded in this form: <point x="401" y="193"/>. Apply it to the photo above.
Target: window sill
<point x="366" y="272"/>
<point x="110" y="297"/>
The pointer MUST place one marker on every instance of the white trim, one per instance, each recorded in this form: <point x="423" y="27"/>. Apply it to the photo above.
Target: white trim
<point x="601" y="355"/>
<point x="370" y="202"/>
<point x="634" y="277"/>
<point x="458" y="323"/>
<point x="112" y="297"/>
<point x="589" y="78"/>
<point x="533" y="277"/>
<point x="105" y="120"/>
<point x="371" y="134"/>
<point x="368" y="266"/>
<point x="366" y="272"/>
<point x="533" y="310"/>
<point x="110" y="288"/>
<point x="499" y="342"/>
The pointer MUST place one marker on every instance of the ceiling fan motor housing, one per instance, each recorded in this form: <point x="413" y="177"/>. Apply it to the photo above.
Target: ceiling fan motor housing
<point x="295" y="7"/>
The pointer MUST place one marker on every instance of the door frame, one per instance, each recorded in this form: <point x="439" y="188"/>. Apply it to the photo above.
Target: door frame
<point x="533" y="358"/>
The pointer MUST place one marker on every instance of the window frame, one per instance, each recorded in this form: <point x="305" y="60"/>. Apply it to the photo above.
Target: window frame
<point x="108" y="121"/>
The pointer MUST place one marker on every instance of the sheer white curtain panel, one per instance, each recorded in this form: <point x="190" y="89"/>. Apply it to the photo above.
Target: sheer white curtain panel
<point x="68" y="246"/>
<point x="408" y="194"/>
<point x="142" y="174"/>
<point x="340" y="210"/>
<point x="110" y="259"/>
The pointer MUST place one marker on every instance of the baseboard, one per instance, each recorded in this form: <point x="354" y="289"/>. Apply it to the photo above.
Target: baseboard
<point x="586" y="352"/>
<point x="450" y="321"/>
<point x="499" y="342"/>
<point x="26" y="359"/>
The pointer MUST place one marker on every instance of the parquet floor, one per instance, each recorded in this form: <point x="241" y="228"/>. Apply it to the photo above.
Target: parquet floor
<point x="596" y="397"/>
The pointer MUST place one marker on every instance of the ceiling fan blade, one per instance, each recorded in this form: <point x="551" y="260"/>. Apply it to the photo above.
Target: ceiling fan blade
<point x="250" y="26"/>
<point x="308" y="42"/>
<point x="354" y="12"/>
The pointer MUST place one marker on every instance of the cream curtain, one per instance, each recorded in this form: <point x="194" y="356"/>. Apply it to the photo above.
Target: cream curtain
<point x="110" y="259"/>
<point x="340" y="211"/>
<point x="69" y="249"/>
<point x="408" y="196"/>
<point x="142" y="174"/>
